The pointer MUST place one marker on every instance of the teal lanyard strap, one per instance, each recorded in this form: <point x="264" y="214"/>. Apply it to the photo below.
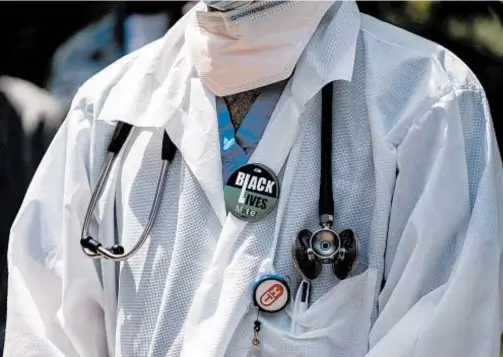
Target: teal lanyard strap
<point x="236" y="147"/>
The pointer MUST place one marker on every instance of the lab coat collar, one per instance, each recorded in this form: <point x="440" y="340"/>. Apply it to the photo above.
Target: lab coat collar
<point x="321" y="63"/>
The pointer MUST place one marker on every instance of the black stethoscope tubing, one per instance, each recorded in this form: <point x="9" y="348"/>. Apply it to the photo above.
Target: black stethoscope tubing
<point x="326" y="198"/>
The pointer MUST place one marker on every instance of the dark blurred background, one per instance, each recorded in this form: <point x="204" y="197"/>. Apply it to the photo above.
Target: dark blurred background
<point x="50" y="48"/>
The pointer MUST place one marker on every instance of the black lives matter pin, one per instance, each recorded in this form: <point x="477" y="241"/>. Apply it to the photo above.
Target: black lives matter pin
<point x="251" y="192"/>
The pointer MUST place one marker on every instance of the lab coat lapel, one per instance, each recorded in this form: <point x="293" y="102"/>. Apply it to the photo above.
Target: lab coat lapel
<point x="270" y="152"/>
<point x="186" y="109"/>
<point x="194" y="130"/>
<point x="219" y="283"/>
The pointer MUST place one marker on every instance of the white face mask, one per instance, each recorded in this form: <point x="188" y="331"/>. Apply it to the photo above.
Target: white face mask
<point x="226" y="5"/>
<point x="252" y="46"/>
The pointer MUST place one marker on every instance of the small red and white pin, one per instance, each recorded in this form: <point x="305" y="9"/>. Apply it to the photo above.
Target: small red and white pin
<point x="271" y="294"/>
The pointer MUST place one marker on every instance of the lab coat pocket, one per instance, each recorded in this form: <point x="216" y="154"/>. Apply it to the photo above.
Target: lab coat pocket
<point x="337" y="324"/>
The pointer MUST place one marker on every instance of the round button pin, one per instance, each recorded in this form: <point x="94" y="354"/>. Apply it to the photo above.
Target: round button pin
<point x="271" y="293"/>
<point x="251" y="192"/>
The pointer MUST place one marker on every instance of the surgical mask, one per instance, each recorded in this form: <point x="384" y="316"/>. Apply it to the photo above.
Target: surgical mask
<point x="226" y="5"/>
<point x="252" y="46"/>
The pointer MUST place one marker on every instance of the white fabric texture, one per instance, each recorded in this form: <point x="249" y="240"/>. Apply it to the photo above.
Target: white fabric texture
<point x="417" y="175"/>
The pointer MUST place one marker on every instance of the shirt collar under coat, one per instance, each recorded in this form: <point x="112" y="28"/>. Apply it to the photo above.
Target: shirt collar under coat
<point x="161" y="89"/>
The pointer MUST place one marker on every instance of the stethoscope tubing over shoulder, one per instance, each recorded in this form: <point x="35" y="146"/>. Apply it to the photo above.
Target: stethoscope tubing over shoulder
<point x="93" y="248"/>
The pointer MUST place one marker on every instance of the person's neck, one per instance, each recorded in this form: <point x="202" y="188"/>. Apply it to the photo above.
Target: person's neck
<point x="239" y="104"/>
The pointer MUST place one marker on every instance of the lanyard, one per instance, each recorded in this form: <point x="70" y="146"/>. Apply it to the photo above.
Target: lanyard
<point x="236" y="146"/>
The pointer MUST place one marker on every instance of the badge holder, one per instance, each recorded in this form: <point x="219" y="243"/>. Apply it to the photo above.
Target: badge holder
<point x="271" y="294"/>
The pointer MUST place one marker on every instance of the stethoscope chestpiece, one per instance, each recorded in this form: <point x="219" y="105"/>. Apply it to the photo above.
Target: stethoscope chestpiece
<point x="324" y="244"/>
<point x="313" y="250"/>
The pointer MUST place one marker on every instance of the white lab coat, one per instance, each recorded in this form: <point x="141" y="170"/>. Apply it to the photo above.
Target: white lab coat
<point x="417" y="175"/>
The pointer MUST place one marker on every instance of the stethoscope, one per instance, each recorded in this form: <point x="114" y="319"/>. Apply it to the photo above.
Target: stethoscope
<point x="92" y="247"/>
<point x="311" y="250"/>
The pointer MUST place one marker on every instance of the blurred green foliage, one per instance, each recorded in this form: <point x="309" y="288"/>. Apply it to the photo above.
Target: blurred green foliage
<point x="477" y="24"/>
<point x="472" y="30"/>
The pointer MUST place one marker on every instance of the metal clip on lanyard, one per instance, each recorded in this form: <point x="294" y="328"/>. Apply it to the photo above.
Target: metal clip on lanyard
<point x="94" y="248"/>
